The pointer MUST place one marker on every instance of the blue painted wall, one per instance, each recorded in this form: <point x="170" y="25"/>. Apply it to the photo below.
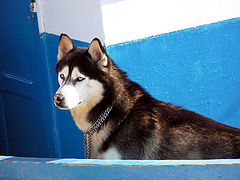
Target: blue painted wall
<point x="197" y="68"/>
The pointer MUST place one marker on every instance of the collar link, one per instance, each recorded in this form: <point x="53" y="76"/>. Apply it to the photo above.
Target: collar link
<point x="88" y="135"/>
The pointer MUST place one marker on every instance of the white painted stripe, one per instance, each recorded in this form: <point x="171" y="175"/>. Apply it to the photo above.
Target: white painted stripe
<point x="148" y="162"/>
<point x="126" y="20"/>
<point x="116" y="21"/>
<point x="40" y="17"/>
<point x="5" y="157"/>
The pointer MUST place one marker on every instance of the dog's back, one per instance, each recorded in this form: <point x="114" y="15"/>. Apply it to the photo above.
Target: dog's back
<point x="158" y="130"/>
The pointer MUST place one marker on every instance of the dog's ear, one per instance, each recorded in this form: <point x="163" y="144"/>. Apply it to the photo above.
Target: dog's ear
<point x="98" y="53"/>
<point x="65" y="44"/>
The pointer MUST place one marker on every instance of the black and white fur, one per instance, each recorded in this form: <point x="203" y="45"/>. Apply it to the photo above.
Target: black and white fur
<point x="139" y="126"/>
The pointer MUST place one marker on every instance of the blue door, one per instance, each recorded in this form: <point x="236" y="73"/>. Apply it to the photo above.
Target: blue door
<point x="26" y="109"/>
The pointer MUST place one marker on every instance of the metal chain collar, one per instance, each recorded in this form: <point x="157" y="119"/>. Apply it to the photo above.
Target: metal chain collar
<point x="93" y="129"/>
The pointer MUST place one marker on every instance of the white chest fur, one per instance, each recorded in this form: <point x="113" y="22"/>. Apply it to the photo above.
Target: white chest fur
<point x="110" y="153"/>
<point x="97" y="140"/>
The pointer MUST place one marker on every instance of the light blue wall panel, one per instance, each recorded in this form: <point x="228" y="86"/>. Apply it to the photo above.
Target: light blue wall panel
<point x="197" y="68"/>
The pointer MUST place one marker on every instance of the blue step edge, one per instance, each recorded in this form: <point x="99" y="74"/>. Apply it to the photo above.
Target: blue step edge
<point x="51" y="168"/>
<point x="137" y="163"/>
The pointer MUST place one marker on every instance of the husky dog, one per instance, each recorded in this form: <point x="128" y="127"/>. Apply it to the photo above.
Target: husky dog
<point x="121" y="120"/>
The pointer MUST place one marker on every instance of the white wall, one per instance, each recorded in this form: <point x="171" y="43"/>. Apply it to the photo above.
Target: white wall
<point x="81" y="19"/>
<point x="125" y="20"/>
<point x="115" y="21"/>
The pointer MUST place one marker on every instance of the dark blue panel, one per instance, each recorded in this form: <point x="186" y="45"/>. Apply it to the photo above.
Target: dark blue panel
<point x="3" y="133"/>
<point x="24" y="127"/>
<point x="70" y="137"/>
<point x="27" y="113"/>
<point x="18" y="32"/>
<point x="197" y="68"/>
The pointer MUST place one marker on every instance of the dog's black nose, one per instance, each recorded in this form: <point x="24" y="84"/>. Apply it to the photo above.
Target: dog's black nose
<point x="58" y="98"/>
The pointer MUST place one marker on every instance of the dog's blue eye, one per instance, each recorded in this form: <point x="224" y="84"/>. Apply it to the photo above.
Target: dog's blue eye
<point x="62" y="76"/>
<point x="80" y="79"/>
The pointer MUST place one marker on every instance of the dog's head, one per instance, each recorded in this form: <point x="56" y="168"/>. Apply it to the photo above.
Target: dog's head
<point x="80" y="73"/>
